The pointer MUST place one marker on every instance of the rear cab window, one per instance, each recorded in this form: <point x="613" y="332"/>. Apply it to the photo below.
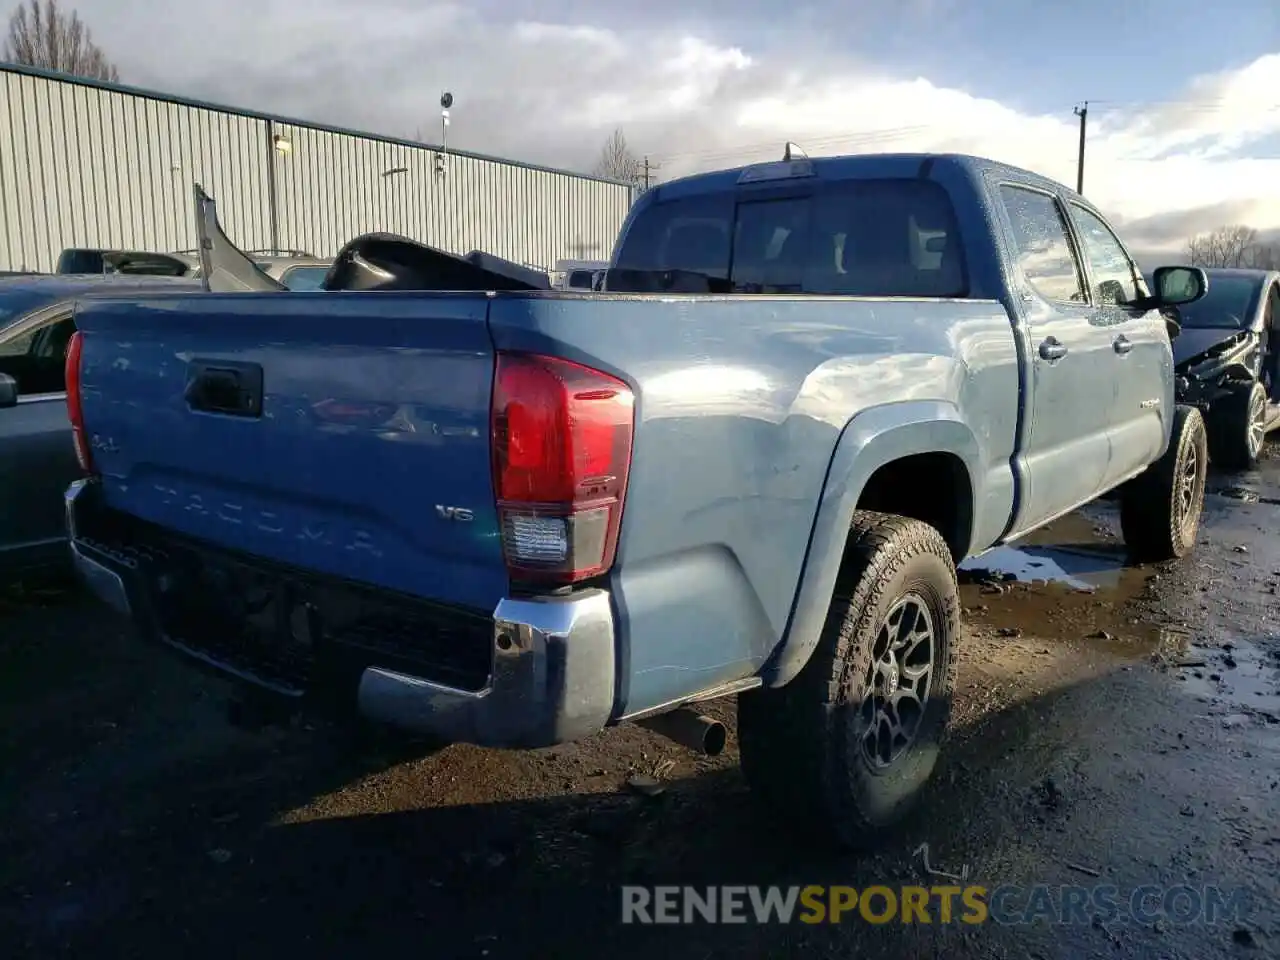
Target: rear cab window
<point x="857" y="237"/>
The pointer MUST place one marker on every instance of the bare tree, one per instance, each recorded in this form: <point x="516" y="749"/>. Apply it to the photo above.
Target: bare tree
<point x="42" y="35"/>
<point x="1228" y="246"/>
<point x="617" y="162"/>
<point x="1263" y="256"/>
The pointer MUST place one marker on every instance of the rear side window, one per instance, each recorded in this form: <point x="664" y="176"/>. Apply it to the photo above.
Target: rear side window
<point x="1041" y="245"/>
<point x="888" y="238"/>
<point x="871" y="238"/>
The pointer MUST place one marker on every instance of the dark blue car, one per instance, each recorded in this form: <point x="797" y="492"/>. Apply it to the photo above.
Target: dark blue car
<point x="37" y="458"/>
<point x="1227" y="362"/>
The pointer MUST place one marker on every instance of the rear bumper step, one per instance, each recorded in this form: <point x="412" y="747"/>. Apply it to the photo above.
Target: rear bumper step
<point x="542" y="670"/>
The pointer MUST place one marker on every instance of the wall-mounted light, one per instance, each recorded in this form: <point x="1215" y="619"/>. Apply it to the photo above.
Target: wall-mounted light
<point x="282" y="144"/>
<point x="394" y="170"/>
<point x="446" y="101"/>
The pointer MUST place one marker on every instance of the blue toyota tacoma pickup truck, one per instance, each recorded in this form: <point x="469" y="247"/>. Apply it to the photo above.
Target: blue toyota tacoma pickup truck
<point x="747" y="466"/>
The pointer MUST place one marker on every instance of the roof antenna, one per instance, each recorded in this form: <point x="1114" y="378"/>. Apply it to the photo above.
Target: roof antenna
<point x="793" y="152"/>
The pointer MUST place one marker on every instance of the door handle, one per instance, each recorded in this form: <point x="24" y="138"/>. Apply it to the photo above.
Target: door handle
<point x="1052" y="350"/>
<point x="1122" y="344"/>
<point x="225" y="387"/>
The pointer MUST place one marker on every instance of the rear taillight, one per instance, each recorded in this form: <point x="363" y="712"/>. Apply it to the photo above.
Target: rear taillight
<point x="75" y="407"/>
<point x="561" y="453"/>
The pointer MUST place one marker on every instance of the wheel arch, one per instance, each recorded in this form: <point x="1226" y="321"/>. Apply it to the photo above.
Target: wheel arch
<point x="887" y="459"/>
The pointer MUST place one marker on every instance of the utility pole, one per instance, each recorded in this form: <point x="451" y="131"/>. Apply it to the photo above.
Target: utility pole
<point x="649" y="169"/>
<point x="1083" y="113"/>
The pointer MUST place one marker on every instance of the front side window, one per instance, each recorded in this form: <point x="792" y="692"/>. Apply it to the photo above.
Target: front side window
<point x="1041" y="244"/>
<point x="1113" y="274"/>
<point x="17" y="341"/>
<point x="35" y="354"/>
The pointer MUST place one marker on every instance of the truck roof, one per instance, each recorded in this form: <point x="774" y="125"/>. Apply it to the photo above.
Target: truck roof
<point x="83" y="284"/>
<point x="20" y="294"/>
<point x="854" y="166"/>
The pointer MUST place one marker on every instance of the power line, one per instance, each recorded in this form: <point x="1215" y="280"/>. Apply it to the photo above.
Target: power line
<point x="1179" y="102"/>
<point x="1268" y="158"/>
<point x="852" y="139"/>
<point x="730" y="152"/>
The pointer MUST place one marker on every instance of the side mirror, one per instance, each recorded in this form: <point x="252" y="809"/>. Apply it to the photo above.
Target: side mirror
<point x="1175" y="286"/>
<point x="8" y="391"/>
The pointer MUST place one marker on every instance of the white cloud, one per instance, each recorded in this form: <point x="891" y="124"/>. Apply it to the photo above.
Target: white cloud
<point x="552" y="91"/>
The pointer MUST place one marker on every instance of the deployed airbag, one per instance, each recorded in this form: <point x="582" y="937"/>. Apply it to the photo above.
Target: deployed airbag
<point x="384" y="261"/>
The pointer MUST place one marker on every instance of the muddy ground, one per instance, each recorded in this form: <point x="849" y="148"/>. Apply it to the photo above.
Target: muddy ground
<point x="1114" y="726"/>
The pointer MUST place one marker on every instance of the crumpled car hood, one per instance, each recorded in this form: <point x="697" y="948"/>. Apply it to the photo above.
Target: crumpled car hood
<point x="1193" y="341"/>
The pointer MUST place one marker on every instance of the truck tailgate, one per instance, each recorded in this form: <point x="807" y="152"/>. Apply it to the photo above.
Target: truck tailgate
<point x="351" y="440"/>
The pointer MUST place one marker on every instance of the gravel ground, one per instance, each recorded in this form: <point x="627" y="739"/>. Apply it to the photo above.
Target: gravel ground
<point x="1113" y="725"/>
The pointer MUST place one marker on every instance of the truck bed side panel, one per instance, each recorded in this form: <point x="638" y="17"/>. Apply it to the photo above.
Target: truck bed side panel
<point x="375" y="412"/>
<point x="740" y="404"/>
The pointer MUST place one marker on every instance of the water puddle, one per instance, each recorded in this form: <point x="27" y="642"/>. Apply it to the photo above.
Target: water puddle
<point x="1067" y="581"/>
<point x="1080" y="570"/>
<point x="1238" y="492"/>
<point x="1070" y="583"/>
<point x="1254" y="486"/>
<point x="1242" y="491"/>
<point x="1075" y="551"/>
<point x="1239" y="679"/>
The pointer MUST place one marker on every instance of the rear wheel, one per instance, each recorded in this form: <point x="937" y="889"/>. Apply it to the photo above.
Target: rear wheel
<point x="1237" y="424"/>
<point x="1160" y="509"/>
<point x="849" y="744"/>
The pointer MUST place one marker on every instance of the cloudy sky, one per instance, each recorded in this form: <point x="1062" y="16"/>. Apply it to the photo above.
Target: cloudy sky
<point x="1184" y="117"/>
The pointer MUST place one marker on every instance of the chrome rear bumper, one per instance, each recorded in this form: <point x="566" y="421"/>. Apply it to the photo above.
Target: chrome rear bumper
<point x="552" y="681"/>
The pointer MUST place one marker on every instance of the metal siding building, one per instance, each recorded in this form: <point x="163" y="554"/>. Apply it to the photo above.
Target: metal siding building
<point x="85" y="164"/>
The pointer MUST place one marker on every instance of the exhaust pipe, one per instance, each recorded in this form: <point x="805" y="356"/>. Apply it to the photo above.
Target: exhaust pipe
<point x="699" y="733"/>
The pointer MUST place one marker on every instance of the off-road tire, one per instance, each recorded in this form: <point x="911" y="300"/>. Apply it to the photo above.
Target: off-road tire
<point x="1160" y="509"/>
<point x="801" y="744"/>
<point x="1236" y="426"/>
